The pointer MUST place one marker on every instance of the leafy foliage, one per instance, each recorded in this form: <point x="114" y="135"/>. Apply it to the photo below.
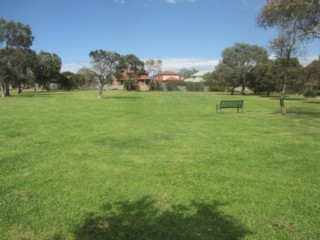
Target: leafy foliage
<point x="297" y="22"/>
<point x="105" y="64"/>
<point x="186" y="72"/>
<point x="48" y="69"/>
<point x="129" y="69"/>
<point x="239" y="61"/>
<point x="312" y="73"/>
<point x="311" y="92"/>
<point x="265" y="78"/>
<point x="299" y="19"/>
<point x="15" y="34"/>
<point x="268" y="76"/>
<point x="156" y="86"/>
<point x="15" y="56"/>
<point x="226" y="75"/>
<point x="69" y="80"/>
<point x="153" y="66"/>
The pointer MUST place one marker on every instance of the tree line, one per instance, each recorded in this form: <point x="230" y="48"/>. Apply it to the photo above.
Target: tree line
<point x="249" y="66"/>
<point x="20" y="66"/>
<point x="297" y="22"/>
<point x="18" y="63"/>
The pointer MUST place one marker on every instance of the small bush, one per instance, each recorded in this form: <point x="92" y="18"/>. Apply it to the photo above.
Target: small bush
<point x="172" y="87"/>
<point x="195" y="87"/>
<point x="156" y="87"/>
<point x="216" y="88"/>
<point x="310" y="92"/>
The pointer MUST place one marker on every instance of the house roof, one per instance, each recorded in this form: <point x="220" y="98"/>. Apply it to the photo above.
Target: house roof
<point x="200" y="73"/>
<point x="197" y="77"/>
<point x="168" y="73"/>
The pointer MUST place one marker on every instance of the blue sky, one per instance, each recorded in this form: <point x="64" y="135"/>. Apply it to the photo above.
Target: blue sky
<point x="182" y="33"/>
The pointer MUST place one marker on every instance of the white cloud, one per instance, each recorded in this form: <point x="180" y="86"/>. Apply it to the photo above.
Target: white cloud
<point x="73" y="67"/>
<point x="173" y="64"/>
<point x="306" y="60"/>
<point x="176" y="1"/>
<point x="120" y="1"/>
<point x="303" y="60"/>
<point x="176" y="64"/>
<point x="244" y="3"/>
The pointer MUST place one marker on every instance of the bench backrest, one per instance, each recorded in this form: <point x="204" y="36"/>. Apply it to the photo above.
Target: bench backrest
<point x="231" y="104"/>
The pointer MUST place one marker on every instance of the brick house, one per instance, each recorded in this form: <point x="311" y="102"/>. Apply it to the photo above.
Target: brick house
<point x="167" y="77"/>
<point x="140" y="81"/>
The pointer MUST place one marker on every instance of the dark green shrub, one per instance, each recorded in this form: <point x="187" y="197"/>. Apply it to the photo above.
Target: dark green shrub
<point x="216" y="88"/>
<point x="172" y="87"/>
<point x="310" y="92"/>
<point x="156" y="87"/>
<point x="194" y="87"/>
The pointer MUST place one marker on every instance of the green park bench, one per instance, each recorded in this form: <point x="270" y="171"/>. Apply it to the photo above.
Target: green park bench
<point x="238" y="104"/>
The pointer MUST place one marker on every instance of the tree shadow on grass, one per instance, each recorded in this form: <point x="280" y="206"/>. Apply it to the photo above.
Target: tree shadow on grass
<point x="143" y="219"/>
<point x="39" y="94"/>
<point x="313" y="102"/>
<point x="307" y="112"/>
<point x="287" y="98"/>
<point x="121" y="97"/>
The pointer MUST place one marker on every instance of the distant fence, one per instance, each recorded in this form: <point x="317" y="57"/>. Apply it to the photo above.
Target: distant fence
<point x="155" y="87"/>
<point x="198" y="88"/>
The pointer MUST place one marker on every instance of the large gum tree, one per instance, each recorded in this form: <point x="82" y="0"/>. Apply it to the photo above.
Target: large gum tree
<point x="15" y="41"/>
<point x="241" y="59"/>
<point x="297" y="22"/>
<point x="105" y="65"/>
<point x="48" y="69"/>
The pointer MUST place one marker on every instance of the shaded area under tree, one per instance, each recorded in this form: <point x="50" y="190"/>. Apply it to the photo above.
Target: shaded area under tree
<point x="143" y="219"/>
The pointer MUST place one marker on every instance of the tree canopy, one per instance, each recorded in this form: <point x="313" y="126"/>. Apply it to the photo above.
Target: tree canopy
<point x="153" y="66"/>
<point x="132" y="64"/>
<point x="105" y="64"/>
<point x="48" y="69"/>
<point x="240" y="60"/>
<point x="243" y="64"/>
<point x="15" y="34"/>
<point x="294" y="17"/>
<point x="15" y="41"/>
<point x="297" y="22"/>
<point x="129" y="69"/>
<point x="187" y="72"/>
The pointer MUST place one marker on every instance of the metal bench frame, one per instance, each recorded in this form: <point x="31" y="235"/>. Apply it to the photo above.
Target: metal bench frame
<point x="238" y="104"/>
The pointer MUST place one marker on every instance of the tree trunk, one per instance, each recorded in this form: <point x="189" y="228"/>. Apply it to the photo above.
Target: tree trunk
<point x="243" y="90"/>
<point x="283" y="94"/>
<point x="232" y="90"/>
<point x="3" y="92"/>
<point x="19" y="89"/>
<point x="47" y="86"/>
<point x="7" y="89"/>
<point x="100" y="91"/>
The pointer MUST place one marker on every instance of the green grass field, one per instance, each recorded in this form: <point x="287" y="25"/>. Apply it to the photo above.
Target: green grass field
<point x="158" y="165"/>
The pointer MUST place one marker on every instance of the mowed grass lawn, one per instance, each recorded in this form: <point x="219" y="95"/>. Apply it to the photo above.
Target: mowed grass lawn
<point x="158" y="165"/>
